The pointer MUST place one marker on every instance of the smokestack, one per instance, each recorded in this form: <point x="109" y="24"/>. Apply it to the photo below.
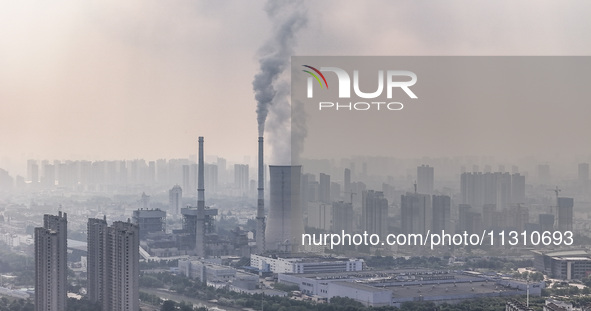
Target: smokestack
<point x="200" y="188"/>
<point x="261" y="203"/>
<point x="200" y="224"/>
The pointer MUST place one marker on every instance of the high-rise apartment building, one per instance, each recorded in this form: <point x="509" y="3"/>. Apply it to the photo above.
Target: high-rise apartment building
<point x="51" y="269"/>
<point x="113" y="265"/>
<point x="416" y="213"/>
<point x="374" y="213"/>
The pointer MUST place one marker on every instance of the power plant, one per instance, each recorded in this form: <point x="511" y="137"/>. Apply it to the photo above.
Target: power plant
<point x="286" y="225"/>
<point x="281" y="230"/>
<point x="198" y="223"/>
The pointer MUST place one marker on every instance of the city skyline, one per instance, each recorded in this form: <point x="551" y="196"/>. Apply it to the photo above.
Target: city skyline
<point x="98" y="82"/>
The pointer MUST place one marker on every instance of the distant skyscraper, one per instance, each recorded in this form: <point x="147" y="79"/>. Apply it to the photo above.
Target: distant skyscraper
<point x="584" y="172"/>
<point x="347" y="183"/>
<point x="374" y="213"/>
<point x="357" y="189"/>
<point x="48" y="179"/>
<point x="469" y="220"/>
<point x="241" y="178"/>
<point x="416" y="213"/>
<point x="517" y="189"/>
<point x="502" y="189"/>
<point x="583" y="177"/>
<point x="113" y="265"/>
<point x="546" y="222"/>
<point x="335" y="192"/>
<point x="342" y="217"/>
<point x="425" y="179"/>
<point x="151" y="172"/>
<point x="222" y="173"/>
<point x="175" y="200"/>
<point x="565" y="214"/>
<point x="319" y="216"/>
<point x="51" y="269"/>
<point x="543" y="173"/>
<point x="441" y="213"/>
<point x="211" y="178"/>
<point x="32" y="171"/>
<point x="186" y="177"/>
<point x="324" y="188"/>
<point x="285" y="222"/>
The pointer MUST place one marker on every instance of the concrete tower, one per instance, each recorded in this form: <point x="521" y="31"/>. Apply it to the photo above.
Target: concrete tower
<point x="286" y="225"/>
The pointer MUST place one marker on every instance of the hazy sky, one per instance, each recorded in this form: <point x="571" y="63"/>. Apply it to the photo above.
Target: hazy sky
<point x="110" y="79"/>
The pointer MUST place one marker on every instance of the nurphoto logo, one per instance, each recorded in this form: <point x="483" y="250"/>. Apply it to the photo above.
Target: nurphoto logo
<point x="402" y="79"/>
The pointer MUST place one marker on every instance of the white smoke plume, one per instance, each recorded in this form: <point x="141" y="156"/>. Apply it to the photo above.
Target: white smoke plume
<point x="269" y="85"/>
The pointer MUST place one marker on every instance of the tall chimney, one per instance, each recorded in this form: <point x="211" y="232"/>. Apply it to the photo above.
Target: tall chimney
<point x="200" y="224"/>
<point x="260" y="240"/>
<point x="200" y="188"/>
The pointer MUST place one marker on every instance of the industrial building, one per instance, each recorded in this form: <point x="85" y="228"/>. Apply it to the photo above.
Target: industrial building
<point x="394" y="287"/>
<point x="217" y="275"/>
<point x="51" y="263"/>
<point x="564" y="265"/>
<point x="304" y="263"/>
<point x="149" y="221"/>
<point x="198" y="236"/>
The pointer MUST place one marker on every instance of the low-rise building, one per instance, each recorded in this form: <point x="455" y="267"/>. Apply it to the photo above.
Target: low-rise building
<point x="394" y="287"/>
<point x="304" y="263"/>
<point x="564" y="265"/>
<point x="217" y="275"/>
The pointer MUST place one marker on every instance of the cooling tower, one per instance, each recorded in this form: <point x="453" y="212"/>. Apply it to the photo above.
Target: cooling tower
<point x="285" y="225"/>
<point x="261" y="203"/>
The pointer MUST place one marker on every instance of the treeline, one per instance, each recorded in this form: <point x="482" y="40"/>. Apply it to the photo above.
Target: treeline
<point x="9" y="304"/>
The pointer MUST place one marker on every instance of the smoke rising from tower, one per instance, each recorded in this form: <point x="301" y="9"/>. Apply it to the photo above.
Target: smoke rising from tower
<point x="287" y="17"/>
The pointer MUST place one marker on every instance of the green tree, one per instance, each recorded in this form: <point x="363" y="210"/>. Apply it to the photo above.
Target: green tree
<point x="168" y="305"/>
